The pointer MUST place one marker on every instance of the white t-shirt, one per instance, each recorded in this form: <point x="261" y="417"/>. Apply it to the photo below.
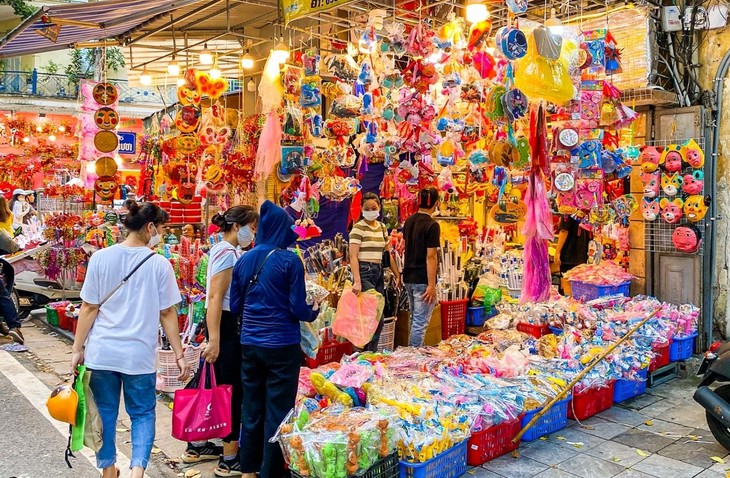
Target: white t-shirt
<point x="221" y="256"/>
<point x="20" y="210"/>
<point x="124" y="336"/>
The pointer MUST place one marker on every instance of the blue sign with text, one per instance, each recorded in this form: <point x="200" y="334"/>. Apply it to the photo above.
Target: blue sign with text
<point x="127" y="142"/>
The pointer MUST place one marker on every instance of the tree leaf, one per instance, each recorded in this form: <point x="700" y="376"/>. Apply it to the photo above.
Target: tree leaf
<point x="649" y="423"/>
<point x="642" y="453"/>
<point x="717" y="459"/>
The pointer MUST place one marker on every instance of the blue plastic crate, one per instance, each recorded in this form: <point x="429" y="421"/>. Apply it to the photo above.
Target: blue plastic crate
<point x="555" y="419"/>
<point x="586" y="292"/>
<point x="682" y="349"/>
<point x="476" y="316"/>
<point x="449" y="464"/>
<point x="624" y="389"/>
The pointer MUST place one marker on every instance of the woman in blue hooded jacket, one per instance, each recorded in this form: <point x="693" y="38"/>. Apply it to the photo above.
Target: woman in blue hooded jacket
<point x="268" y="287"/>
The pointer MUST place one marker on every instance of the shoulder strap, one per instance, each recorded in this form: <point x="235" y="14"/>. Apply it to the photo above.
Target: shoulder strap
<point x="126" y="278"/>
<point x="255" y="277"/>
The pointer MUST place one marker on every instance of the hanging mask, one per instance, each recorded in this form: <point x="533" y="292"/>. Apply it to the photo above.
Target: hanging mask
<point x="693" y="183"/>
<point x="651" y="184"/>
<point x="671" y="184"/>
<point x="671" y="158"/>
<point x="693" y="154"/>
<point x="687" y="239"/>
<point x="695" y="207"/>
<point x="671" y="210"/>
<point x="650" y="209"/>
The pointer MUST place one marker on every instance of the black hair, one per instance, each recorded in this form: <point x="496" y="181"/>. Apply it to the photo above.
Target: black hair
<point x="139" y="215"/>
<point x="370" y="197"/>
<point x="241" y="215"/>
<point x="427" y="197"/>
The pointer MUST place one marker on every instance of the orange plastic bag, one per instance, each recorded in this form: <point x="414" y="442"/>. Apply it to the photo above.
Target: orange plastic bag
<point x="358" y="316"/>
<point x="542" y="78"/>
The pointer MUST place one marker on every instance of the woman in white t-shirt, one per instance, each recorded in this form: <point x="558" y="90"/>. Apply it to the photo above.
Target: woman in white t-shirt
<point x="117" y="332"/>
<point x="19" y="206"/>
<point x="238" y="226"/>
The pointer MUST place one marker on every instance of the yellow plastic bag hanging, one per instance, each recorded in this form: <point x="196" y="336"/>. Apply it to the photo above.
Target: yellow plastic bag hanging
<point x="541" y="78"/>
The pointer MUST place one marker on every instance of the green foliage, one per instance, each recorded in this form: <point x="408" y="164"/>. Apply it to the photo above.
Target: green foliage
<point x="20" y="7"/>
<point x="84" y="61"/>
<point x="52" y="67"/>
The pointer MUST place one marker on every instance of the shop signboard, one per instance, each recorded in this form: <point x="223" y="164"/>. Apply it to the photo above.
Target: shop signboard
<point x="127" y="142"/>
<point x="293" y="9"/>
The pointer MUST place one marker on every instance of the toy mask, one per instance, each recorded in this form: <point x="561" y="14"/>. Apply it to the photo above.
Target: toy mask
<point x="671" y="184"/>
<point x="105" y="187"/>
<point x="671" y="210"/>
<point x="693" y="154"/>
<point x="650" y="209"/>
<point x="671" y="158"/>
<point x="106" y="118"/>
<point x="649" y="158"/>
<point x="105" y="94"/>
<point x="687" y="239"/>
<point x="694" y="183"/>
<point x="188" y="96"/>
<point x="695" y="207"/>
<point x="651" y="184"/>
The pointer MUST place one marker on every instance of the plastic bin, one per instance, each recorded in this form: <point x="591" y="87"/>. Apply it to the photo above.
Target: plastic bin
<point x="556" y="330"/>
<point x="453" y="317"/>
<point x="331" y="352"/>
<point x="493" y="442"/>
<point x="682" y="348"/>
<point x="387" y="467"/>
<point x="555" y="419"/>
<point x="475" y="316"/>
<point x="536" y="330"/>
<point x="583" y="291"/>
<point x="590" y="401"/>
<point x="449" y="464"/>
<point x="625" y="389"/>
<point x="51" y="316"/>
<point x="661" y="356"/>
<point x="387" y="335"/>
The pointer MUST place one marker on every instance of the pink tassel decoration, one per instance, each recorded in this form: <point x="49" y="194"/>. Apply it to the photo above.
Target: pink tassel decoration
<point x="268" y="156"/>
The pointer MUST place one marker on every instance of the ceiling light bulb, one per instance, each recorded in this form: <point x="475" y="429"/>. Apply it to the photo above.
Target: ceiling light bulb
<point x="181" y="82"/>
<point x="145" y="78"/>
<point x="62" y="129"/>
<point x="52" y="137"/>
<point x="26" y="140"/>
<point x="247" y="61"/>
<point x="280" y="53"/>
<point x="476" y="11"/>
<point x="215" y="72"/>
<point x="173" y="68"/>
<point x="554" y="23"/>
<point x="206" y="57"/>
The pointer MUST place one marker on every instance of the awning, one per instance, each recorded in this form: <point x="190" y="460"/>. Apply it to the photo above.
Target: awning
<point x="58" y="27"/>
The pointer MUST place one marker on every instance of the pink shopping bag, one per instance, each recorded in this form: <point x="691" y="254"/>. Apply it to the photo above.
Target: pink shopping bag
<point x="202" y="413"/>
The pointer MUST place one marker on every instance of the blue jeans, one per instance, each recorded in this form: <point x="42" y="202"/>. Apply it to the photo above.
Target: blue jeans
<point x="139" y="400"/>
<point x="420" y="313"/>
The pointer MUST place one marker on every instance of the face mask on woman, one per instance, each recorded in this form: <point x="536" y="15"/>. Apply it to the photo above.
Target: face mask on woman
<point x="245" y="236"/>
<point x="370" y="215"/>
<point x="154" y="240"/>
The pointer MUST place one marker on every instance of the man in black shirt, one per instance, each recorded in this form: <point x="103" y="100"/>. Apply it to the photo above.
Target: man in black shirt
<point x="572" y="248"/>
<point x="422" y="236"/>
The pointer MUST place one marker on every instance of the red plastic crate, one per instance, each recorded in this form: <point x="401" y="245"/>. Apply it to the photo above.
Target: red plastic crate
<point x="331" y="352"/>
<point x="493" y="442"/>
<point x="590" y="401"/>
<point x="661" y="356"/>
<point x="64" y="321"/>
<point x="453" y="317"/>
<point x="536" y="331"/>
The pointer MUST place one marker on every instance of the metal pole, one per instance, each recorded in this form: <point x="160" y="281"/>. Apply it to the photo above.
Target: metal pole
<point x="580" y="376"/>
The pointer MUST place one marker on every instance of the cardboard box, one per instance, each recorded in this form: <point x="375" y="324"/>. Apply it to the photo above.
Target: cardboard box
<point x="403" y="328"/>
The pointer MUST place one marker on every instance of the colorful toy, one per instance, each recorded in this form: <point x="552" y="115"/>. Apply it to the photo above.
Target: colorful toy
<point x="695" y="207"/>
<point x="671" y="211"/>
<point x="693" y="182"/>
<point x="671" y="158"/>
<point x="693" y="154"/>
<point x="651" y="184"/>
<point x="671" y="184"/>
<point x="687" y="239"/>
<point x="649" y="158"/>
<point x="650" y="208"/>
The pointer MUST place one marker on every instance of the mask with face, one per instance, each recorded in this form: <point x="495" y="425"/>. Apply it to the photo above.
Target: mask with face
<point x="154" y="240"/>
<point x="370" y="215"/>
<point x="245" y="236"/>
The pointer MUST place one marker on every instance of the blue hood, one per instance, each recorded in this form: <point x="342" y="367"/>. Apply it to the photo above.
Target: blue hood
<point x="275" y="227"/>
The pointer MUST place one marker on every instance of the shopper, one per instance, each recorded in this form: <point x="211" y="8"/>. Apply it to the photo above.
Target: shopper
<point x="224" y="332"/>
<point x="268" y="287"/>
<point x="368" y="242"/>
<point x="30" y="199"/>
<point x="6" y="217"/>
<point x="422" y="236"/>
<point x="120" y="321"/>
<point x="10" y="323"/>
<point x="572" y="248"/>
<point x="19" y="206"/>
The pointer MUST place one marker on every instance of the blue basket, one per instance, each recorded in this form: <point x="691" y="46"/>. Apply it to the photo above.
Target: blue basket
<point x="682" y="349"/>
<point x="556" y="330"/>
<point x="449" y="464"/>
<point x="586" y="292"/>
<point x="476" y="316"/>
<point x="624" y="389"/>
<point x="555" y="419"/>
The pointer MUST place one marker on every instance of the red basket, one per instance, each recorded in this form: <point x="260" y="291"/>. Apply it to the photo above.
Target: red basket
<point x="331" y="352"/>
<point x="536" y="331"/>
<point x="661" y="356"/>
<point x="453" y="317"/>
<point x="590" y="401"/>
<point x="493" y="442"/>
<point x="64" y="321"/>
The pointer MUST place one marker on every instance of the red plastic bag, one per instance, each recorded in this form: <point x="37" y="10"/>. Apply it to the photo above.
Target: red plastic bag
<point x="200" y="414"/>
<point x="358" y="316"/>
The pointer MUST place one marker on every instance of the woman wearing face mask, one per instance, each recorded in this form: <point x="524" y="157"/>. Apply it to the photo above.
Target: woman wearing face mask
<point x="238" y="225"/>
<point x="118" y="326"/>
<point x="368" y="240"/>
